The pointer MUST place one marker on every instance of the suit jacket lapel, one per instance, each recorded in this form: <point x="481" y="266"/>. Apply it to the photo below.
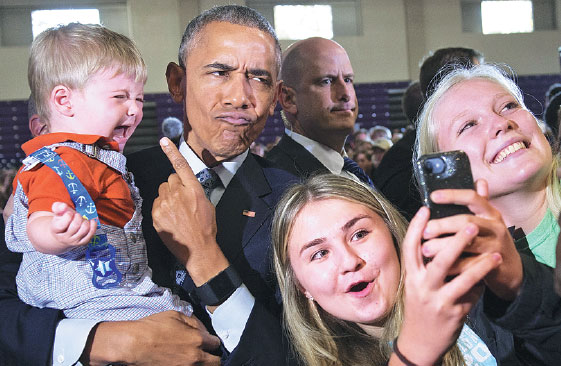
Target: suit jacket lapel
<point x="247" y="191"/>
<point x="304" y="162"/>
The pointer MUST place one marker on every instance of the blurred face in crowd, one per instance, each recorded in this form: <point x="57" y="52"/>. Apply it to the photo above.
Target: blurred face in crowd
<point x="343" y="257"/>
<point x="377" y="156"/>
<point x="363" y="161"/>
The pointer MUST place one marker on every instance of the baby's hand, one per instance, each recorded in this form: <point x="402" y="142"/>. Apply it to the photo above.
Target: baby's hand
<point x="69" y="227"/>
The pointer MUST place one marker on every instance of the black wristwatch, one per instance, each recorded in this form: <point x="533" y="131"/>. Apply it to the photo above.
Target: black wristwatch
<point x="216" y="290"/>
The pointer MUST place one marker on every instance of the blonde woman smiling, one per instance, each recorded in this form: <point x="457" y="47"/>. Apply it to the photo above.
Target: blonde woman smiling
<point x="481" y="111"/>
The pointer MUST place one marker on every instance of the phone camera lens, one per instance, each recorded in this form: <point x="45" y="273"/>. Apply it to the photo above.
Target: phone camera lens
<point x="435" y="165"/>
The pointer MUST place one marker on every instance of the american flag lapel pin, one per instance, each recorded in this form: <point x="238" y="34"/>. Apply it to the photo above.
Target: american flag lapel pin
<point x="248" y="213"/>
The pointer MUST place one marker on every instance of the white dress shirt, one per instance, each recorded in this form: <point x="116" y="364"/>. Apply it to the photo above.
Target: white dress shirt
<point x="228" y="328"/>
<point x="330" y="158"/>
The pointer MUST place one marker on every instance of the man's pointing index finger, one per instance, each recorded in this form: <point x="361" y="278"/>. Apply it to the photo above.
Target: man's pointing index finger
<point x="177" y="160"/>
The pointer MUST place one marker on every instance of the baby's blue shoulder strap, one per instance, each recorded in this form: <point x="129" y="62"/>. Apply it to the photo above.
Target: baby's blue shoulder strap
<point x="99" y="253"/>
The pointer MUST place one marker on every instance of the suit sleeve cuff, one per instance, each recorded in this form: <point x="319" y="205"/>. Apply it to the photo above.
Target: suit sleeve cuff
<point x="230" y="328"/>
<point x="70" y="339"/>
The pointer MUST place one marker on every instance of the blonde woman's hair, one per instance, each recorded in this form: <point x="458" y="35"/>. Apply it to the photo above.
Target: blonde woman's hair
<point x="319" y="338"/>
<point x="70" y="54"/>
<point x="427" y="127"/>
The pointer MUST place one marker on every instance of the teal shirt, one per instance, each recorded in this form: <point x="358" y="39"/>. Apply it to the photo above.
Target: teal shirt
<point x="542" y="241"/>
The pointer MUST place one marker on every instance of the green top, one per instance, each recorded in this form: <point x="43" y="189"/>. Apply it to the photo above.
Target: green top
<point x="542" y="241"/>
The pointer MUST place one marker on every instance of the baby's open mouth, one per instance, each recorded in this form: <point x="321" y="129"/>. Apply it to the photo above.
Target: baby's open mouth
<point x="120" y="131"/>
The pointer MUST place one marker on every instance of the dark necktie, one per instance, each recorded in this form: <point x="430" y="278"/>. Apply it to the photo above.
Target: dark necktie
<point x="351" y="166"/>
<point x="209" y="180"/>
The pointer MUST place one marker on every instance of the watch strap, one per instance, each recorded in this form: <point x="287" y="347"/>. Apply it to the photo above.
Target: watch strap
<point x="216" y="290"/>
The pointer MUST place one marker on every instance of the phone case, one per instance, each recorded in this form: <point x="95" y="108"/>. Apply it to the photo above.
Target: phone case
<point x="454" y="174"/>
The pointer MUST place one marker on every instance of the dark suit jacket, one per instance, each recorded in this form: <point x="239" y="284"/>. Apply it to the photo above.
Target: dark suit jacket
<point x="394" y="176"/>
<point x="28" y="333"/>
<point x="294" y="158"/>
<point x="245" y="241"/>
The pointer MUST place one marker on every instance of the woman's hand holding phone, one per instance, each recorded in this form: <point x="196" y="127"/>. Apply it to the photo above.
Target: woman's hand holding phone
<point x="436" y="308"/>
<point x="493" y="237"/>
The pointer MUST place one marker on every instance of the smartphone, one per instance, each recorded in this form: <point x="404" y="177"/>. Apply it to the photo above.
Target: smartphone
<point x="444" y="170"/>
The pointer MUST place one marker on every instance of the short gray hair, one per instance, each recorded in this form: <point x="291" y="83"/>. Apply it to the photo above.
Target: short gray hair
<point x="234" y="14"/>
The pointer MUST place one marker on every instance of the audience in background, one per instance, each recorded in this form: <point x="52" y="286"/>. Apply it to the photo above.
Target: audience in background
<point x="394" y="177"/>
<point x="363" y="158"/>
<point x="257" y="148"/>
<point x="379" y="148"/>
<point x="353" y="140"/>
<point x="397" y="134"/>
<point x="6" y="179"/>
<point x="379" y="132"/>
<point x="36" y="127"/>
<point x="360" y="135"/>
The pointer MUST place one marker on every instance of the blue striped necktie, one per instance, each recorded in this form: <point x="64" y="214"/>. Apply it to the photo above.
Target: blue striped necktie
<point x="209" y="180"/>
<point x="351" y="166"/>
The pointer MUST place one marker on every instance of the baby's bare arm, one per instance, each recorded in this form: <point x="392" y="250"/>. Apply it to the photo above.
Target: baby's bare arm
<point x="58" y="231"/>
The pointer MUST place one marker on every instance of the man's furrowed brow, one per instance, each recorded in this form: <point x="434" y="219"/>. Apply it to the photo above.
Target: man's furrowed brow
<point x="259" y="72"/>
<point x="219" y="66"/>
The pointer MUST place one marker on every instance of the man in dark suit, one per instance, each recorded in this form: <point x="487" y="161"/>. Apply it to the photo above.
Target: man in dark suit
<point x="319" y="108"/>
<point x="227" y="80"/>
<point x="394" y="176"/>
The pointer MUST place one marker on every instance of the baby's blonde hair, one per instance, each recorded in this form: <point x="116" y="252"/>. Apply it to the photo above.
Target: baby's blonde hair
<point x="70" y="54"/>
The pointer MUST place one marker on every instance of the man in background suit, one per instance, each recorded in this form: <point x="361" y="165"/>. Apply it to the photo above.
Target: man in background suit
<point x="227" y="84"/>
<point x="319" y="108"/>
<point x="395" y="177"/>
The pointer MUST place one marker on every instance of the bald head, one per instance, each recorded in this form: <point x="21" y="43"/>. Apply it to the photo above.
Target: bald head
<point x="317" y="93"/>
<point x="300" y="56"/>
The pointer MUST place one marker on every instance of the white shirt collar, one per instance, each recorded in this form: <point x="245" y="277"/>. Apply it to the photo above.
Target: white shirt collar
<point x="330" y="158"/>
